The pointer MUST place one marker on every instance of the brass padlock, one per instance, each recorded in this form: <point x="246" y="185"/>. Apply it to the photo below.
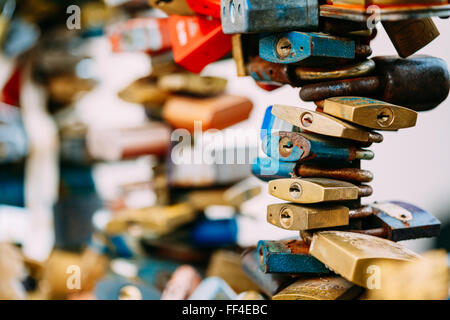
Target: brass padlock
<point x="321" y="123"/>
<point x="370" y="113"/>
<point x="315" y="190"/>
<point x="355" y="256"/>
<point x="291" y="216"/>
<point x="323" y="288"/>
<point x="409" y="36"/>
<point x="227" y="266"/>
<point x="193" y="84"/>
<point x="424" y="279"/>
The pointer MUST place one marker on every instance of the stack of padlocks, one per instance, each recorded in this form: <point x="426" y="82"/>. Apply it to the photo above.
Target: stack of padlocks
<point x="314" y="156"/>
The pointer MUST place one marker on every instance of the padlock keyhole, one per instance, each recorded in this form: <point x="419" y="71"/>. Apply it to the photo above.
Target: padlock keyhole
<point x="286" y="218"/>
<point x="295" y="190"/>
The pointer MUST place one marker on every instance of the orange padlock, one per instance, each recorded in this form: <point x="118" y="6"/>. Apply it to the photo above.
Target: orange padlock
<point x="206" y="7"/>
<point x="197" y="41"/>
<point x="218" y="112"/>
<point x="149" y="35"/>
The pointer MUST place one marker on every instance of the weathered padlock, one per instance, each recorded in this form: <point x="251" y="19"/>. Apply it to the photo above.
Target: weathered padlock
<point x="321" y="123"/>
<point x="297" y="47"/>
<point x="288" y="256"/>
<point x="268" y="169"/>
<point x="370" y="113"/>
<point x="315" y="190"/>
<point x="355" y="256"/>
<point x="256" y="16"/>
<point x="322" y="288"/>
<point x="419" y="83"/>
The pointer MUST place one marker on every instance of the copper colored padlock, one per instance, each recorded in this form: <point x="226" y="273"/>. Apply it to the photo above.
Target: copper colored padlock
<point x="213" y="113"/>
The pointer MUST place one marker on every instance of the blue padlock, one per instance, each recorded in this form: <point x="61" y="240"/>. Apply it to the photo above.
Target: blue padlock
<point x="294" y="146"/>
<point x="295" y="47"/>
<point x="255" y="16"/>
<point x="288" y="256"/>
<point x="267" y="169"/>
<point x="404" y="221"/>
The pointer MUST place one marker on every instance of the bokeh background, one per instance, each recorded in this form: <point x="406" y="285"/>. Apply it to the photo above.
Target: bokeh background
<point x="411" y="165"/>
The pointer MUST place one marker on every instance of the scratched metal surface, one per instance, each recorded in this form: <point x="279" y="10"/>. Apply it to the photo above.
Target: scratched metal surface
<point x="422" y="225"/>
<point x="251" y="16"/>
<point x="304" y="45"/>
<point x="291" y="257"/>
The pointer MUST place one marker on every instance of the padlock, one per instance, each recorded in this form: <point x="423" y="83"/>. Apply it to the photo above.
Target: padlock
<point x="424" y="279"/>
<point x="269" y="283"/>
<point x="119" y="288"/>
<point x="297" y="76"/>
<point x="157" y="219"/>
<point x="399" y="221"/>
<point x="268" y="169"/>
<point x="318" y="74"/>
<point x="291" y="216"/>
<point x="226" y="264"/>
<point x="145" y="91"/>
<point x="295" y="146"/>
<point x="409" y="36"/>
<point x="212" y="113"/>
<point x="355" y="256"/>
<point x="315" y="190"/>
<point x="387" y="3"/>
<point x="289" y="257"/>
<point x="115" y="144"/>
<point x="370" y="113"/>
<point x="192" y="84"/>
<point x="321" y="123"/>
<point x="149" y="35"/>
<point x="171" y="7"/>
<point x="273" y="124"/>
<point x="206" y="7"/>
<point x="321" y="288"/>
<point x="182" y="283"/>
<point x="213" y="288"/>
<point x="419" y="83"/>
<point x="297" y="47"/>
<point x="256" y="16"/>
<point x="163" y="64"/>
<point x="92" y="264"/>
<point x="197" y="41"/>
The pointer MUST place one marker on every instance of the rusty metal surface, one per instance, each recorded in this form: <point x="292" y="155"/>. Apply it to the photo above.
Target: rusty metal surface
<point x="288" y="256"/>
<point x="346" y="174"/>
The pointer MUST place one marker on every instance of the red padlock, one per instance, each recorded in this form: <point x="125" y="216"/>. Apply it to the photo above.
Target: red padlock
<point x="197" y="41"/>
<point x="150" y="35"/>
<point x="205" y="7"/>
